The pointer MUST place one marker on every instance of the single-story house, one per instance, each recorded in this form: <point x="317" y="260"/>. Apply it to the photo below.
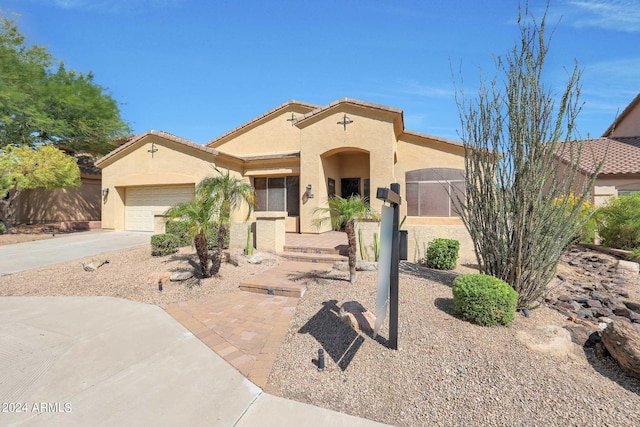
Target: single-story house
<point x="70" y="207"/>
<point x="295" y="156"/>
<point x="619" y="146"/>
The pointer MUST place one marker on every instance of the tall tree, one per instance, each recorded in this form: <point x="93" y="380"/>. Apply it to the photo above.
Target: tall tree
<point x="346" y="211"/>
<point x="39" y="106"/>
<point x="513" y="208"/>
<point x="230" y="192"/>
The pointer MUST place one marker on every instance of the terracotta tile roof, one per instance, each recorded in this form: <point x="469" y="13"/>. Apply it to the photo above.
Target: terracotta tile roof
<point x="621" y="155"/>
<point x="622" y="115"/>
<point x="352" y="102"/>
<point x="262" y="116"/>
<point x="435" y="138"/>
<point x="161" y="134"/>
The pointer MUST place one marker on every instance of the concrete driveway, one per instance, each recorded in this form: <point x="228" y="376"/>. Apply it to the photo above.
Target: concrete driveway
<point x="102" y="361"/>
<point x="24" y="256"/>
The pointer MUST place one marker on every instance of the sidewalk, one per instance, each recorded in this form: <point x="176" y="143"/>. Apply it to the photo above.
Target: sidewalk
<point x="98" y="360"/>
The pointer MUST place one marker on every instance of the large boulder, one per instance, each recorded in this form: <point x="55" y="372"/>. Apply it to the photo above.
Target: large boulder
<point x="550" y="339"/>
<point x="357" y="316"/>
<point x="622" y="340"/>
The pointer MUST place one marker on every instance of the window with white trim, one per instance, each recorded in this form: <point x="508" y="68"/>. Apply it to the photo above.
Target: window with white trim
<point x="433" y="191"/>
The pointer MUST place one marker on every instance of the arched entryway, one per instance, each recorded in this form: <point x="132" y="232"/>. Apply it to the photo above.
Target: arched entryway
<point x="347" y="172"/>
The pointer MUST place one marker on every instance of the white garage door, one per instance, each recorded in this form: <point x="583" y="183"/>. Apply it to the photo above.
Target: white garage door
<point x="141" y="204"/>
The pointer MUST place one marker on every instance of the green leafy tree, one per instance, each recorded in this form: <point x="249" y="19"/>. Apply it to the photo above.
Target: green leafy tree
<point x="39" y="106"/>
<point x="23" y="168"/>
<point x="348" y="212"/>
<point x="200" y="216"/>
<point x="511" y="134"/>
<point x="230" y="193"/>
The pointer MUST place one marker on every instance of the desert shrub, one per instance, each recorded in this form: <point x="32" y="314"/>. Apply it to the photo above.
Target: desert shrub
<point x="3" y="228"/>
<point x="484" y="299"/>
<point x="442" y="254"/>
<point x="180" y="229"/>
<point x="586" y="216"/>
<point x="619" y="222"/>
<point x="164" y="244"/>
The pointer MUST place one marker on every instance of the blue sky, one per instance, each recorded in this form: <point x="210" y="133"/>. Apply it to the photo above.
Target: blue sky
<point x="198" y="68"/>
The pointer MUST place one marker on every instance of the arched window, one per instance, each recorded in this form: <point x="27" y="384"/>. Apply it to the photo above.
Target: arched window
<point x="430" y="191"/>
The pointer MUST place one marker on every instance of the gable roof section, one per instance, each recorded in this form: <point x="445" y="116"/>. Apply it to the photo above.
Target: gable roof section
<point x="263" y="117"/>
<point x="398" y="119"/>
<point x="420" y="135"/>
<point x="622" y="116"/>
<point x="621" y="154"/>
<point x="162" y="134"/>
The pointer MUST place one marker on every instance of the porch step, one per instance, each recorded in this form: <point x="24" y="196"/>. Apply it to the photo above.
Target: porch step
<point x="338" y="250"/>
<point x="287" y="279"/>
<point x="320" y="258"/>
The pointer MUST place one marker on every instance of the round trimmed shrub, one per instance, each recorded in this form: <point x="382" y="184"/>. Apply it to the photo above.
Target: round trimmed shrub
<point x="164" y="244"/>
<point x="442" y="254"/>
<point x="484" y="299"/>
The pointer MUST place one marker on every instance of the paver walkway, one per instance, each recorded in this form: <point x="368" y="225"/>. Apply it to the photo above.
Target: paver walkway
<point x="245" y="328"/>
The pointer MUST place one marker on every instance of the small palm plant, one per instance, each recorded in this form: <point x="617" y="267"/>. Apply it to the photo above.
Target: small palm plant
<point x="348" y="212"/>
<point x="200" y="215"/>
<point x="229" y="193"/>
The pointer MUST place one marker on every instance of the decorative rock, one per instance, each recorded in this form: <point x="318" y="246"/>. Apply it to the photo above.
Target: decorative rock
<point x="179" y="277"/>
<point x="619" y="281"/>
<point x="154" y="278"/>
<point x="366" y="266"/>
<point x="584" y="314"/>
<point x="622" y="340"/>
<point x="597" y="295"/>
<point x="354" y="314"/>
<point x="605" y="320"/>
<point x="594" y="338"/>
<point x="634" y="306"/>
<point x="257" y="258"/>
<point x="630" y="266"/>
<point x="602" y="326"/>
<point x="622" y="311"/>
<point x="634" y="317"/>
<point x="602" y="312"/>
<point x="564" y="298"/>
<point x="594" y="303"/>
<point x="550" y="339"/>
<point x="623" y="294"/>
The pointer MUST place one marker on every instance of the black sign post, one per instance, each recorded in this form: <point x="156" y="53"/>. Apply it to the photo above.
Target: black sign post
<point x="392" y="196"/>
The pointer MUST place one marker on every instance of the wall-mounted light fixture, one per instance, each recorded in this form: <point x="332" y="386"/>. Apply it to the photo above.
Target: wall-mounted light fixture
<point x="308" y="193"/>
<point x="105" y="192"/>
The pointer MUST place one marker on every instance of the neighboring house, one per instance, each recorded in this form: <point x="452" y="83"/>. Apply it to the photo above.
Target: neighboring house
<point x="72" y="207"/>
<point x="295" y="156"/>
<point x="619" y="146"/>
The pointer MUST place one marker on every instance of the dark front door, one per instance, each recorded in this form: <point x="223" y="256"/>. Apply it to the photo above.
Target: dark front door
<point x="350" y="187"/>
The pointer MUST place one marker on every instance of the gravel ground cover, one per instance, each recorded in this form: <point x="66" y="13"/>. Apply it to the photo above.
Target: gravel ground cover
<point x="447" y="371"/>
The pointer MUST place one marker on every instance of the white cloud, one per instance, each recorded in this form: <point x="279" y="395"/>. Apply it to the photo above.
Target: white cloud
<point x="619" y="15"/>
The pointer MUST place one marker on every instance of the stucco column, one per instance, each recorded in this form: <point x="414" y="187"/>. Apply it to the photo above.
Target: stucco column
<point x="270" y="231"/>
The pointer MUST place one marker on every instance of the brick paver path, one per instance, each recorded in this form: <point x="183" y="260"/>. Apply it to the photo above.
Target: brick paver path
<point x="246" y="329"/>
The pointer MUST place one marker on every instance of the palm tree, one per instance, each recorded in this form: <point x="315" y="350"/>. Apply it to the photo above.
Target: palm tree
<point x="347" y="212"/>
<point x="229" y="192"/>
<point x="200" y="214"/>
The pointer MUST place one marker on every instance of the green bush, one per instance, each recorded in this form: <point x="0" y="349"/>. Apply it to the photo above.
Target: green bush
<point x="180" y="229"/>
<point x="442" y="254"/>
<point x="164" y="244"/>
<point x="484" y="299"/>
<point x="619" y="222"/>
<point x="3" y="228"/>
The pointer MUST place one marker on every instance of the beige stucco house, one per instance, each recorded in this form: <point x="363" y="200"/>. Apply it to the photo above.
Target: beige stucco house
<point x="295" y="156"/>
<point x="619" y="149"/>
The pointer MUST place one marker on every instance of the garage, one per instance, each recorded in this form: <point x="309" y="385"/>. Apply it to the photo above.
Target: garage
<point x="143" y="202"/>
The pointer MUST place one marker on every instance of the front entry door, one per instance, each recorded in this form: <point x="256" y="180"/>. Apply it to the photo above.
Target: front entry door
<point x="350" y="187"/>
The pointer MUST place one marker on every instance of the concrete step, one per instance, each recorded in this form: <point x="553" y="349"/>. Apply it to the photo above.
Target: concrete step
<point x="313" y="257"/>
<point x="287" y="279"/>
<point x="338" y="250"/>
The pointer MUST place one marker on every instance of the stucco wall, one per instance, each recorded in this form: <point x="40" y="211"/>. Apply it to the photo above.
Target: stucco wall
<point x="274" y="134"/>
<point x="630" y="125"/>
<point x="418" y="238"/>
<point x="323" y="137"/>
<point x="172" y="164"/>
<point x="40" y="206"/>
